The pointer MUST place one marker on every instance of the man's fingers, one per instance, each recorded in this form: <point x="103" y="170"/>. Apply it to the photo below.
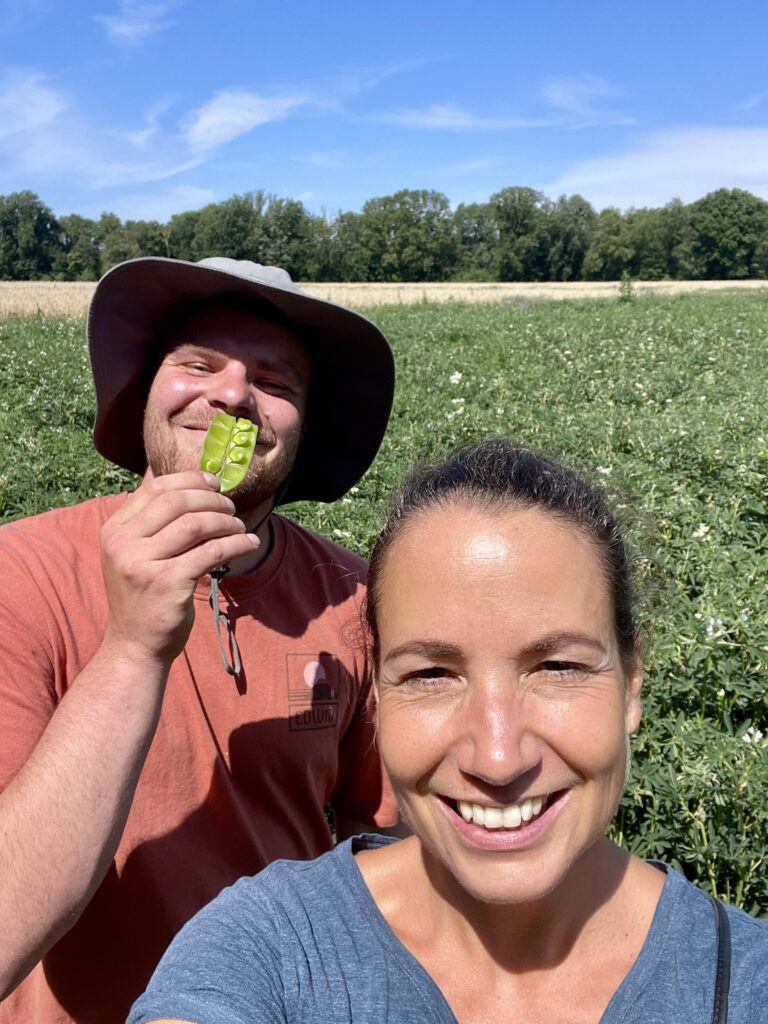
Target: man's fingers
<point x="199" y="560"/>
<point x="188" y="531"/>
<point x="170" y="507"/>
<point x="152" y="488"/>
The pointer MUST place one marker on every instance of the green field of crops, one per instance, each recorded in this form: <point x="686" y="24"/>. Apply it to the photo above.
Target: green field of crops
<point x="663" y="401"/>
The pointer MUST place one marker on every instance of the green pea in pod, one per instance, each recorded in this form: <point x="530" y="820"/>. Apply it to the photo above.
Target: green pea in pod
<point x="228" y="449"/>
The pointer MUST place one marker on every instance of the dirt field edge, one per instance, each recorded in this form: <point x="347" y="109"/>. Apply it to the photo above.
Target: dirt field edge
<point x="64" y="298"/>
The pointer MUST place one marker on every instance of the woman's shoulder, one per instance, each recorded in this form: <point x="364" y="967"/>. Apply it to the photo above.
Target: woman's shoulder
<point x="744" y="928"/>
<point x="694" y="932"/>
<point x="265" y="948"/>
<point x="285" y="881"/>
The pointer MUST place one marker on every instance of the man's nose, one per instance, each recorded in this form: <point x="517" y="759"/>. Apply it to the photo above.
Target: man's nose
<point x="231" y="391"/>
<point x="497" y="741"/>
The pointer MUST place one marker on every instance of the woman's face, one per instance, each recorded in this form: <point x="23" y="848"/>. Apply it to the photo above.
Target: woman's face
<point x="504" y="707"/>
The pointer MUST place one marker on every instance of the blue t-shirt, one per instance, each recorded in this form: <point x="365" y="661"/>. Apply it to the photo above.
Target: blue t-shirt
<point x="304" y="941"/>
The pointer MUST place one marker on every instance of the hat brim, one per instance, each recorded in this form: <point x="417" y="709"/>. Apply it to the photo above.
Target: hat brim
<point x="353" y="368"/>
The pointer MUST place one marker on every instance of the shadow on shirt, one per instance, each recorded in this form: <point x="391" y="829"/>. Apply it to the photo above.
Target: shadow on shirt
<point x="104" y="963"/>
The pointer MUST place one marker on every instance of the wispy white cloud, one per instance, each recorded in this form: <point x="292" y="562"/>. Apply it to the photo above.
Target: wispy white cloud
<point x="753" y="101"/>
<point x="140" y="137"/>
<point x="234" y="112"/>
<point x="353" y="82"/>
<point x="581" y="99"/>
<point x="110" y="172"/>
<point x="448" y="116"/>
<point x="42" y="139"/>
<point x="135" y="21"/>
<point x="576" y="95"/>
<point x="27" y="102"/>
<point x="684" y="162"/>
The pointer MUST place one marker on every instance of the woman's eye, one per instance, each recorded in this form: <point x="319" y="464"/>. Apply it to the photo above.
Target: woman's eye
<point x="562" y="668"/>
<point x="429" y="678"/>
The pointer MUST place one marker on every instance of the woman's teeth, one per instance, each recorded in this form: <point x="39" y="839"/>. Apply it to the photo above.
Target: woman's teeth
<point x="511" y="816"/>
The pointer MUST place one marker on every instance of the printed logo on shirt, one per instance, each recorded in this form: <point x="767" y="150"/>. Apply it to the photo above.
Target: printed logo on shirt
<point x="313" y="691"/>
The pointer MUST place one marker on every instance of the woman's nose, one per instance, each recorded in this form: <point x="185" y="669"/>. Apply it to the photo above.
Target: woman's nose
<point x="497" y="741"/>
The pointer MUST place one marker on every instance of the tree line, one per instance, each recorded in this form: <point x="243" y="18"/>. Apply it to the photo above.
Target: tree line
<point x="413" y="235"/>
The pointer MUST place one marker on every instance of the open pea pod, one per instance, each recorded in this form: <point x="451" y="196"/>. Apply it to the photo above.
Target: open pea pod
<point x="228" y="449"/>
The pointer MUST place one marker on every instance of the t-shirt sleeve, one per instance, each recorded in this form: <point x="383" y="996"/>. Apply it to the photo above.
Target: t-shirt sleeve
<point x="224" y="966"/>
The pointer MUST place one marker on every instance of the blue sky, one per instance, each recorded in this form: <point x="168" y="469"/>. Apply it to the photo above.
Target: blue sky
<point x="149" y="108"/>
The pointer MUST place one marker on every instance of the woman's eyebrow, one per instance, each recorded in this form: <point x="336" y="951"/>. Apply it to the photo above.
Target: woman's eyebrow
<point x="434" y="650"/>
<point x="556" y="641"/>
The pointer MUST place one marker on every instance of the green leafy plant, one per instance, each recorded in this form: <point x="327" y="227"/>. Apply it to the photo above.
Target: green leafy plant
<point x="626" y="288"/>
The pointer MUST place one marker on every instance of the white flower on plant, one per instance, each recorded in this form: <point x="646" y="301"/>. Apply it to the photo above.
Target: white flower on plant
<point x="341" y="533"/>
<point x="701" y="531"/>
<point x="721" y="693"/>
<point x="457" y="401"/>
<point x="604" y="470"/>
<point x="714" y="627"/>
<point x="752" y="735"/>
<point x="455" y="377"/>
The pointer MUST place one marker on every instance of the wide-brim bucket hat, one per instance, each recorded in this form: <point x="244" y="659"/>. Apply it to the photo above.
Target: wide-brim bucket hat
<point x="353" y="372"/>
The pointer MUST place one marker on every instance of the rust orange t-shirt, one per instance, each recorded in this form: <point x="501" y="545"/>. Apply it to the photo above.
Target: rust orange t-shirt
<point x="237" y="775"/>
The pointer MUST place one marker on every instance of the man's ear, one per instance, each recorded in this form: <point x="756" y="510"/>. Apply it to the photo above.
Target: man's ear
<point x="633" y="690"/>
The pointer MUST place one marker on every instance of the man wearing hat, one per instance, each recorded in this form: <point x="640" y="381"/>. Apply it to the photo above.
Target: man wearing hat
<point x="178" y="698"/>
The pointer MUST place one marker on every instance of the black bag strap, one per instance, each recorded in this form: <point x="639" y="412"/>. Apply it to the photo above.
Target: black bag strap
<point x="723" y="972"/>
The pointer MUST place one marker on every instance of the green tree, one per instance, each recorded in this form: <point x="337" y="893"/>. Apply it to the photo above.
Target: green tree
<point x="80" y="256"/>
<point x="646" y="237"/>
<point x="117" y="244"/>
<point x="30" y="238"/>
<point x="477" y="242"/>
<point x="230" y="228"/>
<point x="150" y="237"/>
<point x="729" y="229"/>
<point x="180" y="234"/>
<point x="569" y="225"/>
<point x="520" y="215"/>
<point x="610" y="253"/>
<point x="349" y="258"/>
<point x="676" y="229"/>
<point x="285" y="236"/>
<point x="408" y="236"/>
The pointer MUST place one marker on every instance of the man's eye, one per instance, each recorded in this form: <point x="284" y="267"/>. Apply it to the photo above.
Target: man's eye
<point x="273" y="386"/>
<point x="196" y="366"/>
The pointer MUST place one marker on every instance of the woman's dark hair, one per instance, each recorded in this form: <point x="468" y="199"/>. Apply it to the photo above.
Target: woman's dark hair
<point x="493" y="476"/>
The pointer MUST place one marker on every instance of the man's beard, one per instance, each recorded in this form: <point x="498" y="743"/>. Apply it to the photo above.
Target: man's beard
<point x="262" y="483"/>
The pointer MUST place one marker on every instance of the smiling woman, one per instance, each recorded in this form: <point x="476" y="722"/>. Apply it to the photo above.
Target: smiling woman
<point x="509" y="679"/>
